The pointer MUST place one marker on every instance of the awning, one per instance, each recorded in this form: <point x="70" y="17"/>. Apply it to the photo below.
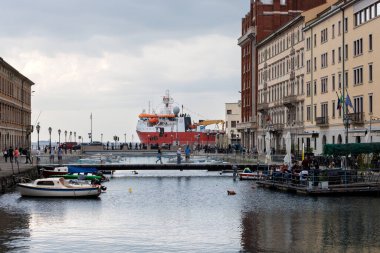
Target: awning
<point x="351" y="148"/>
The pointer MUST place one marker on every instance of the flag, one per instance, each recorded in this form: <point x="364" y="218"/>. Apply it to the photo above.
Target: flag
<point x="338" y="106"/>
<point x="348" y="100"/>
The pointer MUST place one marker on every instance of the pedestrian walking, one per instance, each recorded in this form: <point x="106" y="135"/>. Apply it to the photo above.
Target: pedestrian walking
<point x="179" y="158"/>
<point x="159" y="155"/>
<point x="187" y="153"/>
<point x="60" y="155"/>
<point x="16" y="155"/>
<point x="5" y="154"/>
<point x="10" y="154"/>
<point x="27" y="155"/>
<point x="51" y="155"/>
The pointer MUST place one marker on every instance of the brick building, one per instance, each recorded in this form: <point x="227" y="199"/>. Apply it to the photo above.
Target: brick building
<point x="264" y="17"/>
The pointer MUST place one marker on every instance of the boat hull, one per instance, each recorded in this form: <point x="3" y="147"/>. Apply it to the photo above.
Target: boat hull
<point x="251" y="176"/>
<point x="27" y="190"/>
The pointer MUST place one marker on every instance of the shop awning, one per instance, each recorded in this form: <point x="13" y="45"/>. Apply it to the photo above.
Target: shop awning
<point x="351" y="148"/>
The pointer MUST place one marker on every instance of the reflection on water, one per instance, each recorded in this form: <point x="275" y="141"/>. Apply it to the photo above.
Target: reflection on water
<point x="188" y="211"/>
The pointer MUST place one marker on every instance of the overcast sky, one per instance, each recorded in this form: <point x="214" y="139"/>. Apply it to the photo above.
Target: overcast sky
<point x="110" y="58"/>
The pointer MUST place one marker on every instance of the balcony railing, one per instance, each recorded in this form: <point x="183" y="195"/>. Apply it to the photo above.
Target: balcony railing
<point x="356" y="117"/>
<point x="262" y="106"/>
<point x="322" y="121"/>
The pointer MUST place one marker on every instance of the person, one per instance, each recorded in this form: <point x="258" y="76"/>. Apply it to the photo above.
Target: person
<point x="51" y="155"/>
<point x="159" y="155"/>
<point x="10" y="154"/>
<point x="16" y="155"/>
<point x="5" y="154"/>
<point x="27" y="156"/>
<point x="60" y="155"/>
<point x="38" y="155"/>
<point x="187" y="153"/>
<point x="179" y="158"/>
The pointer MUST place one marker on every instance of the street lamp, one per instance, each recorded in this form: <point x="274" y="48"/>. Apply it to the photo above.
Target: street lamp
<point x="101" y="138"/>
<point x="50" y="137"/>
<point x="38" y="127"/>
<point x="65" y="135"/>
<point x="75" y="136"/>
<point x="347" y="122"/>
<point x="125" y="138"/>
<point x="59" y="136"/>
<point x="71" y="133"/>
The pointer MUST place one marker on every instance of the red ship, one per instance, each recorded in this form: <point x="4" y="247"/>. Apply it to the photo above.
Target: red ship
<point x="170" y="127"/>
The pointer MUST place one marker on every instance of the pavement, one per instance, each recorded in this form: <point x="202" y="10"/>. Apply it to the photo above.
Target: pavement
<point x="8" y="168"/>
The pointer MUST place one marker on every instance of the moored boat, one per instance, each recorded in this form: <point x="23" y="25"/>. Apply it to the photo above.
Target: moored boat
<point x="58" y="187"/>
<point x="251" y="175"/>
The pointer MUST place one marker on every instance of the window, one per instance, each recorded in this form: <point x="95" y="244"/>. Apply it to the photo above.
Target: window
<point x="324" y="36"/>
<point x="308" y="67"/>
<point x="339" y="27"/>
<point x="358" y="47"/>
<point x="315" y="87"/>
<point x="315" y="63"/>
<point x="308" y="113"/>
<point x="233" y="123"/>
<point x="324" y="84"/>
<point x="333" y="108"/>
<point x="346" y="52"/>
<point x="339" y="54"/>
<point x="308" y="89"/>
<point x="370" y="73"/>
<point x="308" y="43"/>
<point x="370" y="42"/>
<point x="345" y="24"/>
<point x="358" y="75"/>
<point x="229" y="111"/>
<point x="346" y="79"/>
<point x="333" y="81"/>
<point x="324" y="60"/>
<point x="333" y="31"/>
<point x="315" y="40"/>
<point x="339" y="80"/>
<point x="315" y="112"/>
<point x="370" y="108"/>
<point x="333" y="57"/>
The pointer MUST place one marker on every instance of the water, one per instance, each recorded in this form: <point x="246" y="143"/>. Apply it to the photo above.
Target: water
<point x="189" y="211"/>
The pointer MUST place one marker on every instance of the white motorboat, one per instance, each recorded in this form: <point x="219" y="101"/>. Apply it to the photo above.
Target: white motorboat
<point x="58" y="187"/>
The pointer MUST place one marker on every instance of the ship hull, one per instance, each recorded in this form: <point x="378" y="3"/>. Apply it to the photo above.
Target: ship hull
<point x="182" y="138"/>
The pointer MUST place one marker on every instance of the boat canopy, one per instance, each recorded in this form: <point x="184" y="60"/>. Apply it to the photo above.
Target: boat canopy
<point x="351" y="148"/>
<point x="77" y="169"/>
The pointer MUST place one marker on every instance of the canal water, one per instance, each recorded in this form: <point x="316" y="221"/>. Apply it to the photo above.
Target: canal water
<point x="189" y="211"/>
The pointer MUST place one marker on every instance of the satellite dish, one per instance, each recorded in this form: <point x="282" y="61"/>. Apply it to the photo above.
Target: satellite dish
<point x="176" y="111"/>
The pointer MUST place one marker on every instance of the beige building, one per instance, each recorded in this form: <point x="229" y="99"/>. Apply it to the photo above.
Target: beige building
<point x="281" y="85"/>
<point x="340" y="61"/>
<point x="15" y="107"/>
<point x="232" y="118"/>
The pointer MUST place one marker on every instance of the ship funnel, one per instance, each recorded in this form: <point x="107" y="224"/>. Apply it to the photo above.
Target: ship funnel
<point x="176" y="111"/>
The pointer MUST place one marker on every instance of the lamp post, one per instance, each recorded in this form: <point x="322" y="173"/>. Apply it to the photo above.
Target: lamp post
<point x="65" y="135"/>
<point x="148" y="141"/>
<point x="38" y="127"/>
<point x="59" y="136"/>
<point x="50" y="137"/>
<point x="75" y="136"/>
<point x="125" y="138"/>
<point x="347" y="122"/>
<point x="101" y="138"/>
<point x="71" y="133"/>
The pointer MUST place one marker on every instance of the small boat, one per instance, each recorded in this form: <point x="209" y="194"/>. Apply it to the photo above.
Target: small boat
<point x="47" y="172"/>
<point x="251" y="175"/>
<point x="58" y="187"/>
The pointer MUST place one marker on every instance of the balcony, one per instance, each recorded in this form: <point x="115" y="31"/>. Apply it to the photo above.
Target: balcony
<point x="356" y="117"/>
<point x="262" y="106"/>
<point x="322" y="121"/>
<point x="276" y="128"/>
<point x="289" y="101"/>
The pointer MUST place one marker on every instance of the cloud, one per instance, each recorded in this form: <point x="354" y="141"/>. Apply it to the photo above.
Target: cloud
<point x="112" y="59"/>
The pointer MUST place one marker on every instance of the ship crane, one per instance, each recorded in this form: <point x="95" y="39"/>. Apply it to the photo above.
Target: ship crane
<point x="211" y="122"/>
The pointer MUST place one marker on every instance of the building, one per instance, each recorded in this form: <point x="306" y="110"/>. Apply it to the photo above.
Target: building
<point x="341" y="84"/>
<point x="15" y="107"/>
<point x="264" y="17"/>
<point x="232" y="118"/>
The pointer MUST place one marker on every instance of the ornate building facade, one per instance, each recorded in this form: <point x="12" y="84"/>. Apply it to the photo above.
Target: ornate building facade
<point x="15" y="107"/>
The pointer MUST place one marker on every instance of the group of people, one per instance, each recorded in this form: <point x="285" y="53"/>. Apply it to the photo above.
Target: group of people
<point x="179" y="154"/>
<point x="13" y="154"/>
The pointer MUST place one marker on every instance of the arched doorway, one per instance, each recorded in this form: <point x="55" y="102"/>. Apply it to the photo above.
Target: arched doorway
<point x="339" y="139"/>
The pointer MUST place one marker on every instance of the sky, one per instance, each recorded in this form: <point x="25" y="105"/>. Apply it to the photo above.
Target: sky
<point x="114" y="58"/>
